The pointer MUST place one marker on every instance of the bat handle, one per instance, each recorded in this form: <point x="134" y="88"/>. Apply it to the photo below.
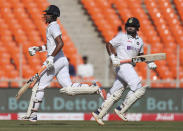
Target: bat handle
<point x="41" y="70"/>
<point x="37" y="75"/>
<point x="125" y="61"/>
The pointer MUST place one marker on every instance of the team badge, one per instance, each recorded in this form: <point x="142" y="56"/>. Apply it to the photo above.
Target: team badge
<point x="131" y="20"/>
<point x="138" y="43"/>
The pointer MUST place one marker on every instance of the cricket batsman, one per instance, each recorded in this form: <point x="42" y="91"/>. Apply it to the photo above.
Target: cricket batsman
<point x="57" y="65"/>
<point x="121" y="47"/>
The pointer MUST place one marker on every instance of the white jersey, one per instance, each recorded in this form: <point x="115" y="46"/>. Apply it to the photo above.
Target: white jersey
<point x="53" y="30"/>
<point x="126" y="46"/>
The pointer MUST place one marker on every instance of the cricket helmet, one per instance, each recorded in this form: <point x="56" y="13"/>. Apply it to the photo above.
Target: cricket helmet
<point x="132" y="22"/>
<point x="52" y="10"/>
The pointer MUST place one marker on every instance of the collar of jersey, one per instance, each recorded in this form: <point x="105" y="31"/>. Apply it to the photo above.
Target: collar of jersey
<point x="129" y="36"/>
<point x="51" y="23"/>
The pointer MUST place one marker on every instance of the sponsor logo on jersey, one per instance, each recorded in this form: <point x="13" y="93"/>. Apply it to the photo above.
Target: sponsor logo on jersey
<point x="129" y="41"/>
<point x="132" y="48"/>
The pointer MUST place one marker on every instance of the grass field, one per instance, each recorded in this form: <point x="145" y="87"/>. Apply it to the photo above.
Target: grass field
<point x="89" y="126"/>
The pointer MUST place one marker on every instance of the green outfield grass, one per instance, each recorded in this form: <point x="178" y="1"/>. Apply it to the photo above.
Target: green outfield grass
<point x="89" y="126"/>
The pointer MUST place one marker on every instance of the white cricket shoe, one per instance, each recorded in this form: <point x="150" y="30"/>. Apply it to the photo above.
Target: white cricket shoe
<point x="31" y="118"/>
<point x="98" y="120"/>
<point x="120" y="114"/>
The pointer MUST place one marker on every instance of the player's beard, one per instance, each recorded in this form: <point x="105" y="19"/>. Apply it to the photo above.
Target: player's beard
<point x="131" y="32"/>
<point x="46" y="19"/>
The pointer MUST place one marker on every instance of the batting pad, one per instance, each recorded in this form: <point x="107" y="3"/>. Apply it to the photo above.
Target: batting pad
<point x="130" y="99"/>
<point x="77" y="88"/>
<point x="108" y="103"/>
<point x="32" y="100"/>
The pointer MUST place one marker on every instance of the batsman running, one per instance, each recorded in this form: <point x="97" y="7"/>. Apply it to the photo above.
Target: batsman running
<point x="121" y="47"/>
<point x="56" y="65"/>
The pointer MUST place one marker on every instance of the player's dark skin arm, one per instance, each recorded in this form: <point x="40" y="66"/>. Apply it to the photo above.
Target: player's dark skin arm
<point x="110" y="49"/>
<point x="59" y="45"/>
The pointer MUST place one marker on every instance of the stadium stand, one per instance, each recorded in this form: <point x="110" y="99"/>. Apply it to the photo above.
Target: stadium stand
<point x="160" y="27"/>
<point x="22" y="26"/>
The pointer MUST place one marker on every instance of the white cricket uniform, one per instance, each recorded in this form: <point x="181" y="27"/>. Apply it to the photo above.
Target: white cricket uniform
<point x="126" y="47"/>
<point x="60" y="70"/>
<point x="85" y="70"/>
<point x="61" y="65"/>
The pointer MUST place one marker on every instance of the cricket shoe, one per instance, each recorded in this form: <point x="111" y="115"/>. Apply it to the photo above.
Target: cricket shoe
<point x="31" y="118"/>
<point x="101" y="91"/>
<point x="120" y="114"/>
<point x="98" y="120"/>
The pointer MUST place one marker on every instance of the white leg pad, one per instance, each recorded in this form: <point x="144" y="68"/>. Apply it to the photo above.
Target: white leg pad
<point x="109" y="102"/>
<point x="77" y="88"/>
<point x="131" y="98"/>
<point x="34" y="100"/>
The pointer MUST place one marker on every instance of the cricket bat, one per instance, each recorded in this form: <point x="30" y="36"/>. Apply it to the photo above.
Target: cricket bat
<point x="34" y="78"/>
<point x="145" y="58"/>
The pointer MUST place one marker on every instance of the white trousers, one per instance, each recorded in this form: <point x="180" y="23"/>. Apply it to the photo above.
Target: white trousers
<point x="126" y="75"/>
<point x="60" y="70"/>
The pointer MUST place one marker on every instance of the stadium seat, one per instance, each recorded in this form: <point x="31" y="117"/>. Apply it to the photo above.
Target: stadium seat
<point x="22" y="25"/>
<point x="172" y="19"/>
<point x="4" y="84"/>
<point x="157" y="85"/>
<point x="4" y="4"/>
<point x="42" y="4"/>
<point x="179" y="7"/>
<point x="75" y="59"/>
<point x="88" y="80"/>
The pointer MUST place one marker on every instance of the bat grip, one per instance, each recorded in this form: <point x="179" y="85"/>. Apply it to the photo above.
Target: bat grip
<point x="125" y="61"/>
<point x="39" y="73"/>
<point x="41" y="70"/>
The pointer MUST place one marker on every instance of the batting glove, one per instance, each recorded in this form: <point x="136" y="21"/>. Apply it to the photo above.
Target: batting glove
<point x="115" y="60"/>
<point x="33" y="50"/>
<point x="152" y="65"/>
<point x="49" y="62"/>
